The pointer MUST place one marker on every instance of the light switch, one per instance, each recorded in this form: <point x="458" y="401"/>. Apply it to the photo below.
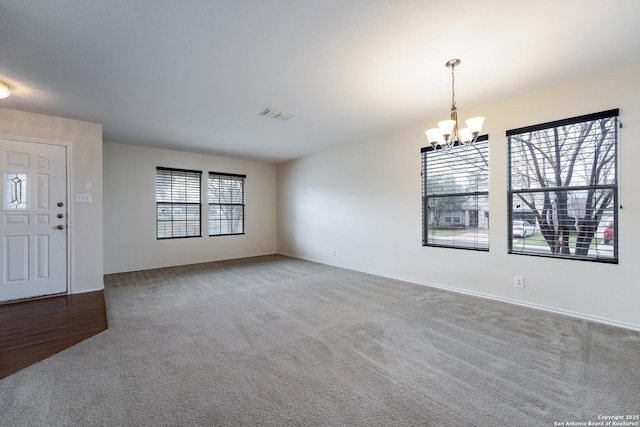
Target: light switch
<point x="83" y="198"/>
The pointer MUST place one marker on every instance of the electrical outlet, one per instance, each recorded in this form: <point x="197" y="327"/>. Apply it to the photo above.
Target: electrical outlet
<point x="518" y="282"/>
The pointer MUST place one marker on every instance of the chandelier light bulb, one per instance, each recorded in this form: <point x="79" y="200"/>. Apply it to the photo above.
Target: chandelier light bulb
<point x="434" y="136"/>
<point x="446" y="127"/>
<point x="4" y="90"/>
<point x="465" y="135"/>
<point x="475" y="124"/>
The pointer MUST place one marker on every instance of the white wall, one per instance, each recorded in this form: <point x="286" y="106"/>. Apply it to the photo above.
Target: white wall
<point x="129" y="214"/>
<point x="363" y="201"/>
<point x="85" y="219"/>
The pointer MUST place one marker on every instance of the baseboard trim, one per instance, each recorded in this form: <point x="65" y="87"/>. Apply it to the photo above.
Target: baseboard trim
<point x="531" y="305"/>
<point x="204" y="261"/>
<point x="540" y="307"/>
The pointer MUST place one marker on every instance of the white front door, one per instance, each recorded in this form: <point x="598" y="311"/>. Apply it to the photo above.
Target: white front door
<point x="33" y="219"/>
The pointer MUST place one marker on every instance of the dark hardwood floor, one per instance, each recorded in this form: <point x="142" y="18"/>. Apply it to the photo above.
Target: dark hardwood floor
<point x="31" y="331"/>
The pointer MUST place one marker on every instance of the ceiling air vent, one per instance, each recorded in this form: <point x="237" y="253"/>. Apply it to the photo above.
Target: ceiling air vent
<point x="269" y="112"/>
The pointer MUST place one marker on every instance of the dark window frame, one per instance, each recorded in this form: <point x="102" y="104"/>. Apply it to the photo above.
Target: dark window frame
<point x="227" y="205"/>
<point x="561" y="195"/>
<point x="448" y="196"/>
<point x="176" y="201"/>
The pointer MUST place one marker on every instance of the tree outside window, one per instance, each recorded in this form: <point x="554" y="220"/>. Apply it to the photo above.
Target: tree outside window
<point x="563" y="179"/>
<point x="226" y="204"/>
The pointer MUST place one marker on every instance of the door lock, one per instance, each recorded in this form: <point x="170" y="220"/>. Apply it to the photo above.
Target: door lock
<point x="60" y="227"/>
<point x="60" y="204"/>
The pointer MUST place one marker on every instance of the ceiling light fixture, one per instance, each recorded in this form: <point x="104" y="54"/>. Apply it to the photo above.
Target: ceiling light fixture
<point x="447" y="133"/>
<point x="4" y="90"/>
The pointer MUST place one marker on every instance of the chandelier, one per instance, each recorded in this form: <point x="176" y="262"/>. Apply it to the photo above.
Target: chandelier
<point x="447" y="133"/>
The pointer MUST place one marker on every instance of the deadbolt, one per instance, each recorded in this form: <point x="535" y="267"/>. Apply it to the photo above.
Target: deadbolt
<point x="60" y="204"/>
<point x="60" y="227"/>
<point x="60" y="216"/>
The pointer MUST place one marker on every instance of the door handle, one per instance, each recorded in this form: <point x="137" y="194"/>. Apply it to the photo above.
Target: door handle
<point x="60" y="227"/>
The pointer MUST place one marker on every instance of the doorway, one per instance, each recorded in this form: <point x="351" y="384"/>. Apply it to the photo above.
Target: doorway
<point x="33" y="219"/>
<point x="473" y="219"/>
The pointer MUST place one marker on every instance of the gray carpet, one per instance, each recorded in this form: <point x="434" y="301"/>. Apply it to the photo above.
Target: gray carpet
<point x="278" y="341"/>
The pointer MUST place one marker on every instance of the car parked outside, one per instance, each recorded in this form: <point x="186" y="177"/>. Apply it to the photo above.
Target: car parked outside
<point x="608" y="234"/>
<point x="523" y="229"/>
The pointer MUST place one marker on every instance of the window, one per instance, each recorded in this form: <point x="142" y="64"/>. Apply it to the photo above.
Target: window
<point x="178" y="207"/>
<point x="455" y="196"/>
<point x="563" y="182"/>
<point x="15" y="191"/>
<point x="226" y="204"/>
<point x="452" y="217"/>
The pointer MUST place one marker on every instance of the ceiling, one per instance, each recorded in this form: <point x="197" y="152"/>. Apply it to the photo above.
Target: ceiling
<point x="194" y="75"/>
